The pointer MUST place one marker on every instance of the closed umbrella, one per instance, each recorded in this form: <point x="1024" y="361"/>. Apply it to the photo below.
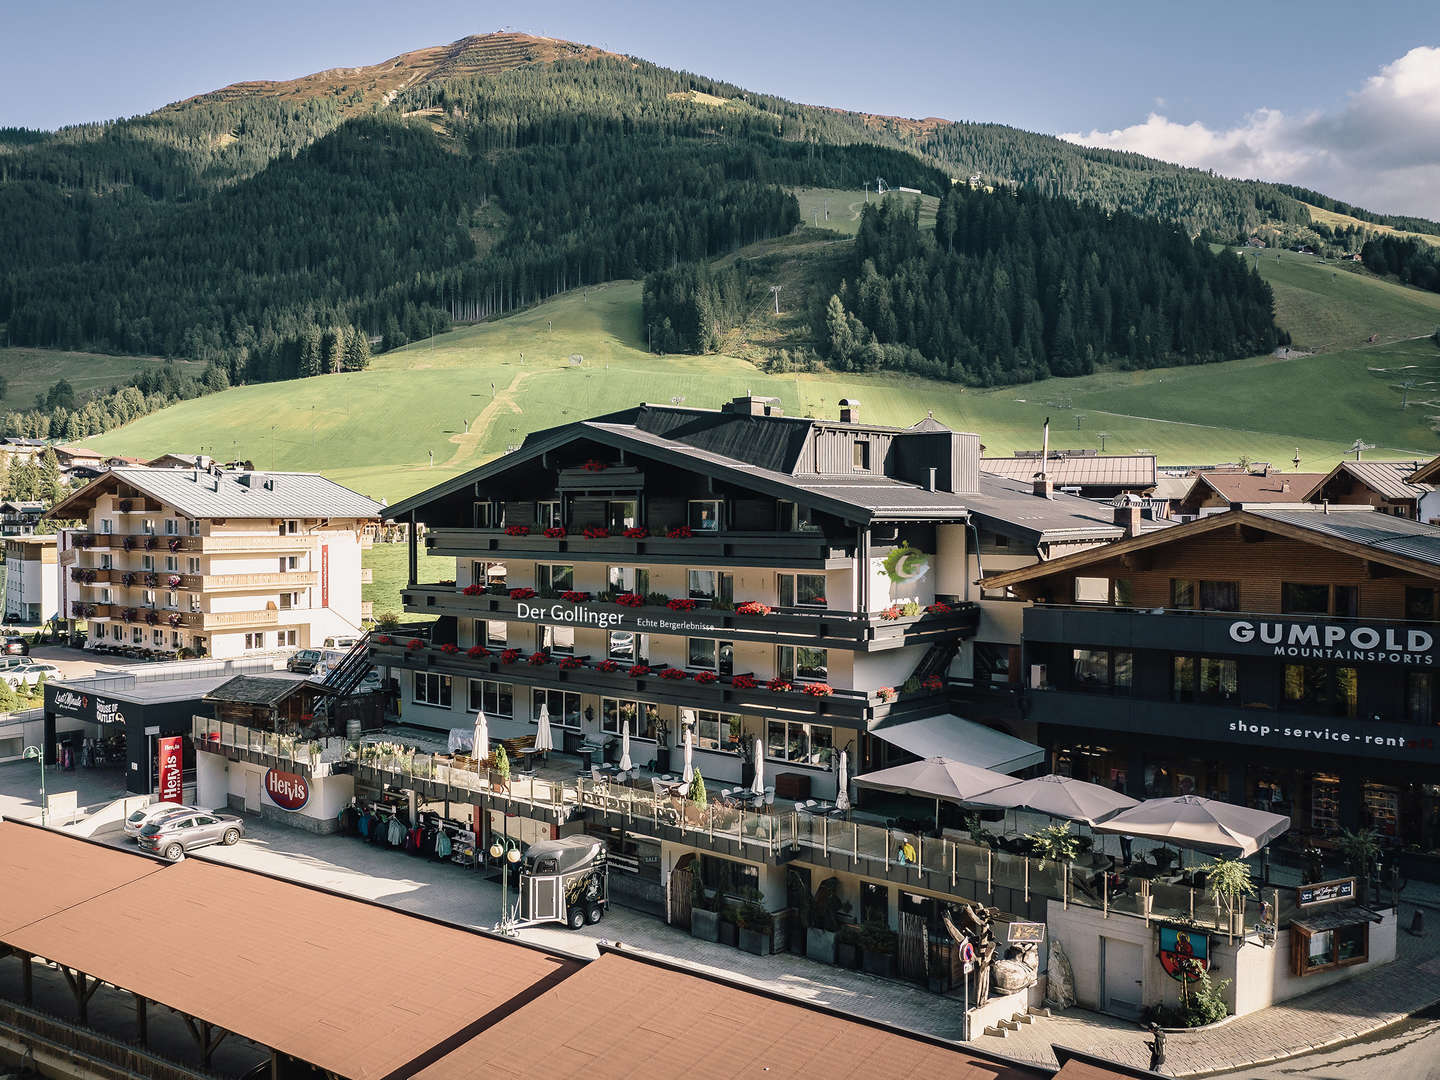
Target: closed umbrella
<point x="1058" y="796"/>
<point x="480" y="745"/>
<point x="544" y="740"/>
<point x="758" y="784"/>
<point x="625" y="765"/>
<point x="689" y="773"/>
<point x="1203" y="824"/>
<point x="842" y="784"/>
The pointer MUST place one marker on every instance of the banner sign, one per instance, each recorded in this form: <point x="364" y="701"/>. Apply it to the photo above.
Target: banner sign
<point x="1325" y="892"/>
<point x="171" y="762"/>
<point x="325" y="575"/>
<point x="1331" y="641"/>
<point x="287" y="790"/>
<point x="1184" y="953"/>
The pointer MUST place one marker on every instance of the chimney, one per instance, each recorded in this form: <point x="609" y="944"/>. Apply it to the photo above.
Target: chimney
<point x="849" y="411"/>
<point x="930" y="483"/>
<point x="1284" y="486"/>
<point x="1043" y="487"/>
<point x="1129" y="512"/>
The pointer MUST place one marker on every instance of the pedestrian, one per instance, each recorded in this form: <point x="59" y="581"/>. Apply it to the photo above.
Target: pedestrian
<point x="1125" y="842"/>
<point x="1156" y="1045"/>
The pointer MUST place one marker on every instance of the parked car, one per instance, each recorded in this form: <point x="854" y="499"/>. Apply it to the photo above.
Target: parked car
<point x="14" y="663"/>
<point x="173" y="835"/>
<point x="146" y="814"/>
<point x="30" y="674"/>
<point x="15" y="645"/>
<point x="370" y="683"/>
<point x="341" y="642"/>
<point x="306" y="662"/>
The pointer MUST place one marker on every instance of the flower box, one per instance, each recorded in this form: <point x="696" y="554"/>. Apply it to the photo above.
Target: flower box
<point x="939" y="608"/>
<point x="743" y="682"/>
<point x="383" y="639"/>
<point x="175" y="544"/>
<point x="150" y="543"/>
<point x="538" y="659"/>
<point x="449" y="647"/>
<point x="817" y="689"/>
<point x="681" y="603"/>
<point x="674" y="674"/>
<point x="752" y="607"/>
<point x="570" y="663"/>
<point x="891" y="612"/>
<point x="517" y="530"/>
<point x="151" y="581"/>
<point x="705" y="678"/>
<point x="636" y="532"/>
<point x="509" y="656"/>
<point x="173" y="581"/>
<point x="573" y="597"/>
<point x="593" y="466"/>
<point x="152" y="617"/>
<point x="415" y="643"/>
<point x="680" y="532"/>
<point x="638" y="671"/>
<point x="933" y="683"/>
<point x="886" y="693"/>
<point x="777" y="685"/>
<point x="608" y="666"/>
<point x="521" y="594"/>
<point x="630" y="599"/>
<point x="595" y="532"/>
<point x="473" y="590"/>
<point x="555" y="532"/>
<point x="477" y="652"/>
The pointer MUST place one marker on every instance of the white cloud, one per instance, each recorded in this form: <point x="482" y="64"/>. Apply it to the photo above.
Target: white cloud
<point x="1379" y="150"/>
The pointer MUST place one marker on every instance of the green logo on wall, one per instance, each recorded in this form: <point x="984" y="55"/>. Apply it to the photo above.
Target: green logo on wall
<point x="906" y="564"/>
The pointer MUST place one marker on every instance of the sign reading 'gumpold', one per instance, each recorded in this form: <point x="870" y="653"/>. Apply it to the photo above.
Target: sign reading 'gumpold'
<point x="1335" y="641"/>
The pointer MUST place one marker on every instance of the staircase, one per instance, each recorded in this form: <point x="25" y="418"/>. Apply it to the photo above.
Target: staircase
<point x="1002" y="1029"/>
<point x="937" y="660"/>
<point x="342" y="679"/>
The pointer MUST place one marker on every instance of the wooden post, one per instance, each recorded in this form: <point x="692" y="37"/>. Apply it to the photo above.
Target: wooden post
<point x="27" y="978"/>
<point x="1027" y="880"/>
<point x="142" y="1021"/>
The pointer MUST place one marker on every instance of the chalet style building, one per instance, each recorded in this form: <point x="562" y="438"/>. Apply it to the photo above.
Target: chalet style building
<point x="1281" y="658"/>
<point x="213" y="562"/>
<point x="1392" y="487"/>
<point x="806" y="582"/>
<point x="1214" y="491"/>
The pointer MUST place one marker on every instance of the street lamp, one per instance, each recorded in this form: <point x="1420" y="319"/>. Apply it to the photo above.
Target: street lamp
<point x="509" y="852"/>
<point x="39" y="755"/>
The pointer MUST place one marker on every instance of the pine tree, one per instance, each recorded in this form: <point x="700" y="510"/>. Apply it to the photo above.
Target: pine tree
<point x="310" y="353"/>
<point x="51" y="485"/>
<point x="357" y="350"/>
<point x="335" y="350"/>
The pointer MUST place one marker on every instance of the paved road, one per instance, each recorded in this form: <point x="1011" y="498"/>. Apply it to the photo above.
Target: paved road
<point x="1408" y="1051"/>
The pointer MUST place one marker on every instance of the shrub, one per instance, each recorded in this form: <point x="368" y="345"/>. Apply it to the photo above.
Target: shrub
<point x="910" y="609"/>
<point x="387" y="621"/>
<point x="696" y="794"/>
<point x="502" y="763"/>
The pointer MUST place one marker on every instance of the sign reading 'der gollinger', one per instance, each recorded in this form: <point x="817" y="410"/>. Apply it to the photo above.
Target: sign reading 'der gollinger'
<point x="603" y="620"/>
<point x="1330" y="641"/>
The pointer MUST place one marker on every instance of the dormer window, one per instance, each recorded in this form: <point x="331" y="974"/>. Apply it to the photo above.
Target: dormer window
<point x="704" y="515"/>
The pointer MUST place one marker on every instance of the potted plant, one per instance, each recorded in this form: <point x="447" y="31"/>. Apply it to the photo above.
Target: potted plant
<point x="502" y="768"/>
<point x="1229" y="883"/>
<point x="1361" y="851"/>
<point x="877" y="949"/>
<point x="755" y="924"/>
<point x="824" y="926"/>
<point x="847" y="946"/>
<point x="1164" y="857"/>
<point x="1056" y="844"/>
<point x="729" y="928"/>
<point x="704" y="919"/>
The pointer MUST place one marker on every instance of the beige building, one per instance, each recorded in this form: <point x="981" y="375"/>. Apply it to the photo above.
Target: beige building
<point x="30" y="582"/>
<point x="215" y="563"/>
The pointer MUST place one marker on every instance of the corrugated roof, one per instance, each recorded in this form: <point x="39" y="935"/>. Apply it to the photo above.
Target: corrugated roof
<point x="1382" y="532"/>
<point x="1097" y="470"/>
<point x="1390" y="479"/>
<point x="621" y="1017"/>
<point x="1247" y="487"/>
<point x="1002" y="502"/>
<point x="232" y="494"/>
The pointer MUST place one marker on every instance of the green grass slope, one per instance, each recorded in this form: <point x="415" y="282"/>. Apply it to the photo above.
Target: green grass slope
<point x="29" y="372"/>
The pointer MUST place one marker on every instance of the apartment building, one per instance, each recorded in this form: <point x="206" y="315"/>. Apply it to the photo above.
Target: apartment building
<point x="31" y="594"/>
<point x="210" y="562"/>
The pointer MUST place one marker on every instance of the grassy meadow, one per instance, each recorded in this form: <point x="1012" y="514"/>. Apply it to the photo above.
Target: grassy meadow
<point x="28" y="372"/>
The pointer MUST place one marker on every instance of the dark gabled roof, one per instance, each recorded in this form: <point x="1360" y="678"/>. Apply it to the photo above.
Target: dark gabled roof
<point x="1362" y="533"/>
<point x="1005" y="505"/>
<point x="1389" y="479"/>
<point x="1429" y="473"/>
<point x="255" y="690"/>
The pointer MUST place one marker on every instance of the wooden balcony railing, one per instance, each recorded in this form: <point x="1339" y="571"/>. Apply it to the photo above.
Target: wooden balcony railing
<point x="793" y="550"/>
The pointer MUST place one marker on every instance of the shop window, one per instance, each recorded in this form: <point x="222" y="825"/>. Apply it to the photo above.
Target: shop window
<point x="564" y="706"/>
<point x="1103" y="671"/>
<point x="1382" y="810"/>
<point x="551" y="579"/>
<point x="1324" y="942"/>
<point x="615" y="713"/>
<point x="1321" y="688"/>
<point x="808" y="744"/>
<point x="704" y="515"/>
<point x="1420" y="697"/>
<point x="712" y="586"/>
<point x="494" y="698"/>
<point x="1203" y="678"/>
<point x="1303" y="599"/>
<point x="800" y="590"/>
<point x="432" y="689"/>
<point x="1092" y="590"/>
<point x="1419" y="603"/>
<point x="631" y="579"/>
<point x="801" y="664"/>
<point x="717" y="730"/>
<point x="727" y="877"/>
<point x="557" y="639"/>
<point x="874" y="903"/>
<point x="622" y="514"/>
<point x="547" y="514"/>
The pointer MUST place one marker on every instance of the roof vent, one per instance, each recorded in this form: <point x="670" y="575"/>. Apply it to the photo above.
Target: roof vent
<point x="849" y="411"/>
<point x="269" y="483"/>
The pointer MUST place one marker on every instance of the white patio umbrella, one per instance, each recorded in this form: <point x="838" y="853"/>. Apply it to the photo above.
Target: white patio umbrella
<point x="689" y="773"/>
<point x="480" y="744"/>
<point x="940" y="778"/>
<point x="544" y="739"/>
<point x="1058" y="796"/>
<point x="842" y="784"/>
<point x="1188" y="821"/>
<point x="625" y="765"/>
<point x="758" y="784"/>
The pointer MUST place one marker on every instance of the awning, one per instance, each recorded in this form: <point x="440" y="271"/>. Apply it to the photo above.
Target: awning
<point x="946" y="735"/>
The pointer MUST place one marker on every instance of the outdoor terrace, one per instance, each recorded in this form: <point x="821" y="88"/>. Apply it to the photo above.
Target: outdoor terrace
<point x="800" y="551"/>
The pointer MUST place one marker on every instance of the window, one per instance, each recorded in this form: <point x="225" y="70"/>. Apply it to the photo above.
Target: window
<point x="554" y="578"/>
<point x="147" y="563"/>
<point x="727" y="877"/>
<point x="289" y="528"/>
<point x="148" y="526"/>
<point x="194" y="529"/>
<point x="137" y="636"/>
<point x="792" y="740"/>
<point x="1103" y="670"/>
<point x="106" y="562"/>
<point x="800" y="590"/>
<point x="194" y="566"/>
<point x="793" y="518"/>
<point x="1313" y="951"/>
<point x="172" y="600"/>
<point x="175" y="639"/>
<point x="717" y="730"/>
<point x="289" y="562"/>
<point x="564" y="706"/>
<point x="484" y="514"/>
<point x="1347" y="601"/>
<point x="1321" y="688"/>
<point x="704" y="515"/>
<point x="1298" y="599"/>
<point x="105" y="596"/>
<point x="874" y="903"/>
<point x="1092" y="590"/>
<point x="621" y="514"/>
<point x="147" y="597"/>
<point x="640" y="715"/>
<point x="1204" y="678"/>
<point x="288" y="637"/>
<point x="860" y="455"/>
<point x="712" y="586"/>
<point x="255" y="641"/>
<point x="495" y="698"/>
<point x="627" y="579"/>
<point x="432" y="689"/>
<point x="489" y="575"/>
<point x="1419" y="603"/>
<point x="157" y="637"/>
<point x="1419" y="697"/>
<point x="496" y="633"/>
<point x="172" y="564"/>
<point x="289" y="600"/>
<point x="801" y="664"/>
<point x="172" y="527"/>
<point x="547" y="514"/>
<point x="716" y="656"/>
<point x="1205" y="595"/>
<point x="556" y="639"/>
<point x="106" y="525"/>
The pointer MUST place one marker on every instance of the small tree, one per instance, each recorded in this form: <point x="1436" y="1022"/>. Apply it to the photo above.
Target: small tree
<point x="696" y="794"/>
<point x="502" y="764"/>
<point x="1054" y="843"/>
<point x="1229" y="883"/>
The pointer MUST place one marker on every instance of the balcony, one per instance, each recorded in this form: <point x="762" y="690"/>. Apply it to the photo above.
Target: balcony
<point x="843" y="708"/>
<point x="190" y="620"/>
<point x="276" y="582"/>
<point x="792" y="550"/>
<point x="224" y="544"/>
<point x="825" y="627"/>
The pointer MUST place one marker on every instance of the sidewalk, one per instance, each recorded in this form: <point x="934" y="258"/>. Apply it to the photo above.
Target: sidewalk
<point x="1335" y="1014"/>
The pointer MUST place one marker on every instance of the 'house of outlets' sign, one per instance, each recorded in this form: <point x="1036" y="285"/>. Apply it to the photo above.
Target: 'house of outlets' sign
<point x="1334" y="641"/>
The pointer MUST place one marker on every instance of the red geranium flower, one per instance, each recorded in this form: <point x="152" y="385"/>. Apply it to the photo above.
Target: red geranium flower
<point x="593" y="466"/>
<point x="681" y="603"/>
<point x="383" y="639"/>
<point x="570" y="663"/>
<point x="477" y="652"/>
<point x="521" y="594"/>
<point x="538" y="659"/>
<point x="939" y="607"/>
<point x="673" y="673"/>
<point x="596" y="532"/>
<point x="933" y="683"/>
<point x="607" y="665"/>
<point x="705" y="677"/>
<point x="752" y="607"/>
<point x="638" y="671"/>
<point x="777" y="685"/>
<point x="449" y="647"/>
<point x="891" y="612"/>
<point x="509" y="656"/>
<point x="473" y="590"/>
<point x="680" y="532"/>
<point x="818" y="689"/>
<point x="636" y="532"/>
<point x="886" y="693"/>
<point x="517" y="530"/>
<point x="415" y="643"/>
<point x="630" y="599"/>
<point x="554" y="532"/>
<point x="743" y="682"/>
<point x="573" y="597"/>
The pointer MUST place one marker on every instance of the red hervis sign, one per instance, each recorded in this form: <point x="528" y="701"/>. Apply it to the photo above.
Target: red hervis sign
<point x="170" y="764"/>
<point x="287" y="790"/>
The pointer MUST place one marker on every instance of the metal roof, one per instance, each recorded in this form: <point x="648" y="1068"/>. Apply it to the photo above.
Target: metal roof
<point x="1389" y="479"/>
<point x="1381" y="532"/>
<point x="1096" y="470"/>
<point x="196" y="493"/>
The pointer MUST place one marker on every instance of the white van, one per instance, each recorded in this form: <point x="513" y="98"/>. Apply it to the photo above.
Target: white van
<point x="343" y="642"/>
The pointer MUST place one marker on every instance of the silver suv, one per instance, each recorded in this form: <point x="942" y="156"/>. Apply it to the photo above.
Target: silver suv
<point x="173" y="835"/>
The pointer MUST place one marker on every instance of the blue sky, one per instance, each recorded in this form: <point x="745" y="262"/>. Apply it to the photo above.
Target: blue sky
<point x="1267" y="88"/>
